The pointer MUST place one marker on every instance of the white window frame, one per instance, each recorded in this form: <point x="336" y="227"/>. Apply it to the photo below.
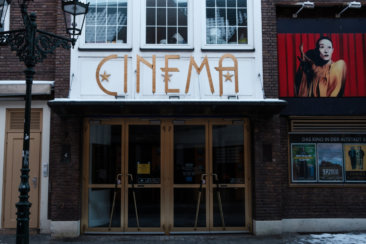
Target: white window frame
<point x="190" y="30"/>
<point x="128" y="45"/>
<point x="248" y="46"/>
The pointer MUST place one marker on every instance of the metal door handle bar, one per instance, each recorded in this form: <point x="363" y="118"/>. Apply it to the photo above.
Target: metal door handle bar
<point x="134" y="201"/>
<point x="117" y="181"/>
<point x="216" y="178"/>
<point x="199" y="201"/>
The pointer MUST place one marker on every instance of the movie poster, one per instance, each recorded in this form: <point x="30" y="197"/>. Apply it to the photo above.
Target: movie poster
<point x="303" y="159"/>
<point x="330" y="161"/>
<point x="355" y="162"/>
<point x="322" y="57"/>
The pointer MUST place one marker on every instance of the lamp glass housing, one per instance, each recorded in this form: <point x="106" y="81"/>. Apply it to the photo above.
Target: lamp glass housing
<point x="74" y="13"/>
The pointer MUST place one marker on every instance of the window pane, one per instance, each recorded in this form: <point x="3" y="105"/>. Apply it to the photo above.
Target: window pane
<point x="122" y="3"/>
<point x="122" y="34"/>
<point x="228" y="153"/>
<point x="172" y="35"/>
<point x="242" y="17"/>
<point x="231" y="16"/>
<point x="231" y="3"/>
<point x="150" y="16"/>
<point x="106" y="19"/>
<point x="231" y="35"/>
<point x="161" y="3"/>
<point x="172" y="3"/>
<point x="122" y="16"/>
<point x="101" y="16"/>
<point x="100" y="34"/>
<point x="220" y="3"/>
<point x="242" y="3"/>
<point x="89" y="34"/>
<point x="182" y="17"/>
<point x="90" y="17"/>
<point x="150" y="35"/>
<point x="161" y="35"/>
<point x="243" y="36"/>
<point x="211" y="35"/>
<point x="210" y="17"/>
<point x="112" y="16"/>
<point x="105" y="153"/>
<point x="221" y="35"/>
<point x="172" y="16"/>
<point x="161" y="16"/>
<point x="164" y="20"/>
<point x="99" y="205"/>
<point x="111" y="34"/>
<point x="226" y="22"/>
<point x="182" y="3"/>
<point x="150" y="3"/>
<point x="210" y="3"/>
<point x="221" y="17"/>
<point x="183" y="35"/>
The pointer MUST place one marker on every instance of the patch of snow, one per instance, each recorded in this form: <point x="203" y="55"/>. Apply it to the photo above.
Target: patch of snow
<point x="334" y="239"/>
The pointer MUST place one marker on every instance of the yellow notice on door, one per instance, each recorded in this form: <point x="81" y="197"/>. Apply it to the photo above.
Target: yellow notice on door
<point x="143" y="169"/>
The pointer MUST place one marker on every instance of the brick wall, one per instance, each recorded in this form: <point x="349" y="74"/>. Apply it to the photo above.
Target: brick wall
<point x="273" y="198"/>
<point x="65" y="179"/>
<point x="10" y="66"/>
<point x="267" y="168"/>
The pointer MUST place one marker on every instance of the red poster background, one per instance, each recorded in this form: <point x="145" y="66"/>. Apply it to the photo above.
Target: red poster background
<point x="349" y="47"/>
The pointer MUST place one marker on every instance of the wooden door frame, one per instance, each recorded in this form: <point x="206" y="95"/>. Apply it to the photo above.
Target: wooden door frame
<point x="167" y="172"/>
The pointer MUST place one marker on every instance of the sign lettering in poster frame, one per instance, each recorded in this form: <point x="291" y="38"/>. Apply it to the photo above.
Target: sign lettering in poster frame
<point x="321" y="155"/>
<point x="309" y="157"/>
<point x="361" y="170"/>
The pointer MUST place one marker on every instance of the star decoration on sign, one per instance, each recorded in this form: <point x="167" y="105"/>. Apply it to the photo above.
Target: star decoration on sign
<point x="105" y="76"/>
<point x="228" y="77"/>
<point x="170" y="75"/>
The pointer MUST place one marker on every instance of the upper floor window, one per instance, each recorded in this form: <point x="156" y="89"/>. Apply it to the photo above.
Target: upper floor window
<point x="166" y="23"/>
<point x="227" y="23"/>
<point x="107" y="22"/>
<point x="5" y="26"/>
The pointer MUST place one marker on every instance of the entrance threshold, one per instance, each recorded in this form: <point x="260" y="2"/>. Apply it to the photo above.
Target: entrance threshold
<point x="170" y="233"/>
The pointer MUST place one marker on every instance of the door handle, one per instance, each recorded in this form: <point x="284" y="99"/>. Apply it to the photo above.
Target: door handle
<point x="34" y="181"/>
<point x="215" y="177"/>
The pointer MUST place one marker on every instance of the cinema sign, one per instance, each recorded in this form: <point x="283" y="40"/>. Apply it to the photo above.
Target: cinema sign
<point x="166" y="76"/>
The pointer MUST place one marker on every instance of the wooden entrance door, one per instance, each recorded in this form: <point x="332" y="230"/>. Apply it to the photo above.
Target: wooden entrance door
<point x="211" y="187"/>
<point x="167" y="176"/>
<point x="13" y="164"/>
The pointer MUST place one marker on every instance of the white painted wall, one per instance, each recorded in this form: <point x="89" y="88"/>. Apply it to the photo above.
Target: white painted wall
<point x="84" y="63"/>
<point x="278" y="227"/>
<point x="44" y="222"/>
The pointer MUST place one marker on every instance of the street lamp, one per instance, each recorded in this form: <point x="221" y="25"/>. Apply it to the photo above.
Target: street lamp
<point x="32" y="46"/>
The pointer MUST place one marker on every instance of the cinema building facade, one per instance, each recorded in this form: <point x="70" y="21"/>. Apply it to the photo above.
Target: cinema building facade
<point x="168" y="120"/>
<point x="156" y="131"/>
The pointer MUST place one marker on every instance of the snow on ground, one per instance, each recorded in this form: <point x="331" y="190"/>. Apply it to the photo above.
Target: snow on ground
<point x="334" y="239"/>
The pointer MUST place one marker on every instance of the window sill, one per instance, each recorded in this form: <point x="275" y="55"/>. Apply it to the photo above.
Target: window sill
<point x="236" y="48"/>
<point x="102" y="49"/>
<point x="334" y="185"/>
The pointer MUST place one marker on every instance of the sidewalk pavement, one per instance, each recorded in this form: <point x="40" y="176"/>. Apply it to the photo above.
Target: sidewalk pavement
<point x="348" y="238"/>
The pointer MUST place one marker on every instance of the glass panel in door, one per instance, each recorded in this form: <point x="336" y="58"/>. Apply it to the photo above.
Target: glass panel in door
<point x="104" y="196"/>
<point x="228" y="176"/>
<point x="144" y="167"/>
<point x="189" y="176"/>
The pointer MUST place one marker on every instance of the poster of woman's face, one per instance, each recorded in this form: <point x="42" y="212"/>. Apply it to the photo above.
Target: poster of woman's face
<point x="323" y="63"/>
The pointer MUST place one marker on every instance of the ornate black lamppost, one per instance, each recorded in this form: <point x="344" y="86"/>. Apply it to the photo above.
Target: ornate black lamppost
<point x="32" y="46"/>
